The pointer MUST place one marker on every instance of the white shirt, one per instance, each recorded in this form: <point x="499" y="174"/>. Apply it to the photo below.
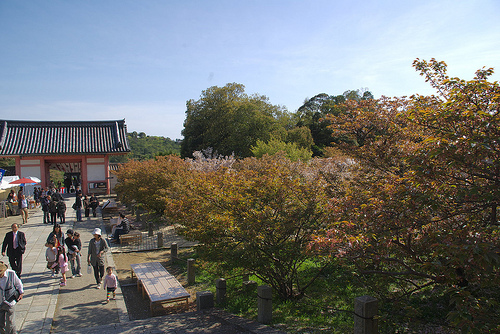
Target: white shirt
<point x="17" y="283"/>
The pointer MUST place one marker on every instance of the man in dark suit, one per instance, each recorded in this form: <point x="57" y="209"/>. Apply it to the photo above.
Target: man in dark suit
<point x="15" y="244"/>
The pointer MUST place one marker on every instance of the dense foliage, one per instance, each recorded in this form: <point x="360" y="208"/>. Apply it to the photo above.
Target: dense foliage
<point x="228" y="121"/>
<point x="421" y="207"/>
<point x="259" y="215"/>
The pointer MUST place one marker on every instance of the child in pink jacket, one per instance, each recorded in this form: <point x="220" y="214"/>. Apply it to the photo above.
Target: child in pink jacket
<point x="110" y="283"/>
<point x="62" y="260"/>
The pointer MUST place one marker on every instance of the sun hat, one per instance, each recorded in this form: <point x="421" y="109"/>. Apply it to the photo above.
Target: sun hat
<point x="97" y="231"/>
<point x="3" y="267"/>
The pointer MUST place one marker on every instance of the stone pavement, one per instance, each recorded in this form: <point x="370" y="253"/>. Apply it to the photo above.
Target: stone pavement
<point x="47" y="307"/>
<point x="81" y="308"/>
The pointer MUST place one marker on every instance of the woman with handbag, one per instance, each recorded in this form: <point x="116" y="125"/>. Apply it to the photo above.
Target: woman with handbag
<point x="97" y="248"/>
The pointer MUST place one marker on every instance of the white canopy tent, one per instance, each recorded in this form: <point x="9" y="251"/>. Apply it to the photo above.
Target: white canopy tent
<point x="8" y="179"/>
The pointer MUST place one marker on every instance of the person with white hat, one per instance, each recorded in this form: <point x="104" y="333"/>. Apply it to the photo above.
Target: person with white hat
<point x="12" y="291"/>
<point x="97" y="248"/>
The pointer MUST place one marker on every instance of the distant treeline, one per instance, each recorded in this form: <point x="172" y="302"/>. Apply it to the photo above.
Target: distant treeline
<point x="145" y="147"/>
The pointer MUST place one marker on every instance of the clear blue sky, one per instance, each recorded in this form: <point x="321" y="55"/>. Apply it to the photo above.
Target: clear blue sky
<point x="142" y="60"/>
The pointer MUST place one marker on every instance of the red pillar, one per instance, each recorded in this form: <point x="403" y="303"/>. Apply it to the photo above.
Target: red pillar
<point x="106" y="173"/>
<point x="83" y="173"/>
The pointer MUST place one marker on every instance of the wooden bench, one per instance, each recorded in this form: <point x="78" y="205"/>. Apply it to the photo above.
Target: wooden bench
<point x="160" y="286"/>
<point x="132" y="237"/>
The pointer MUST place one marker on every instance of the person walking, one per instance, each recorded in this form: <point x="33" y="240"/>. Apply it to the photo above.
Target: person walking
<point x="45" y="201"/>
<point x="53" y="210"/>
<point x="78" y="207"/>
<point x="110" y="284"/>
<point x="51" y="257"/>
<point x="12" y="291"/>
<point x="23" y="207"/>
<point x="56" y="236"/>
<point x="95" y="257"/>
<point x="62" y="262"/>
<point x="61" y="211"/>
<point x="94" y="203"/>
<point x="74" y="246"/>
<point x="15" y="244"/>
<point x="86" y="206"/>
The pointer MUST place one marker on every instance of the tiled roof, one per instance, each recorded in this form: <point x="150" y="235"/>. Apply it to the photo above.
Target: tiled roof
<point x="42" y="138"/>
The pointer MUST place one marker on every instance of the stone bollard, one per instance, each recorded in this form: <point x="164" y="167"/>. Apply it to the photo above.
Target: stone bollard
<point x="265" y="304"/>
<point x="159" y="236"/>
<point x="246" y="277"/>
<point x="150" y="229"/>
<point x="220" y="291"/>
<point x="190" y="271"/>
<point x="249" y="287"/>
<point x="365" y="311"/>
<point x="173" y="251"/>
<point x="204" y="300"/>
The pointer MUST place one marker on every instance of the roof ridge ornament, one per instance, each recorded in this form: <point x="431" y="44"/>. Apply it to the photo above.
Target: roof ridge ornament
<point x="4" y="134"/>
<point x="117" y="135"/>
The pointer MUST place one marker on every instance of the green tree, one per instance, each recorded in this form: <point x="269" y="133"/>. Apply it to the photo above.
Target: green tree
<point x="273" y="146"/>
<point x="313" y="114"/>
<point x="229" y="121"/>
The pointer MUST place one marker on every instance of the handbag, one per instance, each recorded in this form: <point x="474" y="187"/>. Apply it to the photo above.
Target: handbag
<point x="74" y="206"/>
<point x="89" y="269"/>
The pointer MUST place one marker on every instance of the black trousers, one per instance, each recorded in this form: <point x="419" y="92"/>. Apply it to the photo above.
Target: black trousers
<point x="16" y="261"/>
<point x="98" y="273"/>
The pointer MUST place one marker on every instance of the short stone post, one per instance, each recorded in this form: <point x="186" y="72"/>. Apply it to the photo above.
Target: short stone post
<point x="190" y="271"/>
<point x="173" y="251"/>
<point x="204" y="300"/>
<point x="220" y="291"/>
<point x="150" y="229"/>
<point x="265" y="304"/>
<point x="246" y="277"/>
<point x="365" y="311"/>
<point x="159" y="235"/>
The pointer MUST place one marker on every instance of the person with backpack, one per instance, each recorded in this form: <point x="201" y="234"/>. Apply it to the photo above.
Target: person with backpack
<point x="61" y="211"/>
<point x="53" y="211"/>
<point x="94" y="203"/>
<point x="45" y="200"/>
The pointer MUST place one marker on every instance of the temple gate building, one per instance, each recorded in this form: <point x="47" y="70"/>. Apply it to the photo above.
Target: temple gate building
<point x="80" y="149"/>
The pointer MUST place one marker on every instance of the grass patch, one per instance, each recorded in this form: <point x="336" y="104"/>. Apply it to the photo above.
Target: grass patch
<point x="328" y="304"/>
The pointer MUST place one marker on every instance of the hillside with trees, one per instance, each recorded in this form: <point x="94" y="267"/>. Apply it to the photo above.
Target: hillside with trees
<point x="144" y="147"/>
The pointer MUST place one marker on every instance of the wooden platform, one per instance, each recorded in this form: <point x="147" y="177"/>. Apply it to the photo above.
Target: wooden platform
<point x="160" y="286"/>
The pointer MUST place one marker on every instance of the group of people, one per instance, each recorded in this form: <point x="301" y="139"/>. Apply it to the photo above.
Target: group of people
<point x="63" y="252"/>
<point x="22" y="203"/>
<point x="86" y="203"/>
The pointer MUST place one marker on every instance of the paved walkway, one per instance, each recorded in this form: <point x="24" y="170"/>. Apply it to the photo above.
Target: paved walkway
<point x="81" y="308"/>
<point x="47" y="307"/>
